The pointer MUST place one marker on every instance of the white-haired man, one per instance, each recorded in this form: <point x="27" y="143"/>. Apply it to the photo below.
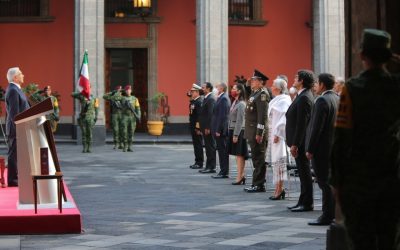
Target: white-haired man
<point x="16" y="102"/>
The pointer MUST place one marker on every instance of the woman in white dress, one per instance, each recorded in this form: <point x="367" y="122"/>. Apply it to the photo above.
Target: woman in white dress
<point x="276" y="135"/>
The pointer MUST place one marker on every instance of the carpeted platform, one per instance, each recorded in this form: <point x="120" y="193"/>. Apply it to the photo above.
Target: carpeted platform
<point x="14" y="220"/>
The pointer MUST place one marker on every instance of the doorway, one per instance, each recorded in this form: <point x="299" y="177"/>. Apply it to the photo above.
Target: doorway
<point x="123" y="67"/>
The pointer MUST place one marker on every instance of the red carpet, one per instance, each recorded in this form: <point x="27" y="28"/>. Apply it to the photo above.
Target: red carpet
<point x="46" y="221"/>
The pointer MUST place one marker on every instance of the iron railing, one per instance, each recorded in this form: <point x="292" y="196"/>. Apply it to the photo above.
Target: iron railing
<point x="122" y="8"/>
<point x="19" y="8"/>
<point x="241" y="10"/>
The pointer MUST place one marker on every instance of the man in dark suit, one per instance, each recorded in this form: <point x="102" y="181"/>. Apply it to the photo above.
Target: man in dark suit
<point x="219" y="129"/>
<point x="297" y="118"/>
<point x="194" y="126"/>
<point x="256" y="126"/>
<point x="16" y="102"/>
<point x="319" y="141"/>
<point x="206" y="114"/>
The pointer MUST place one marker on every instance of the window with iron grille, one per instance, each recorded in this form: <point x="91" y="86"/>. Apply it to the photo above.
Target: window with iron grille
<point x="245" y="12"/>
<point x="124" y="8"/>
<point x="25" y="11"/>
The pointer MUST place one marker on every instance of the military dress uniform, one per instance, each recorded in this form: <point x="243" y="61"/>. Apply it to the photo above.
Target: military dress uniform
<point x="365" y="155"/>
<point x="194" y="126"/>
<point x="116" y="117"/>
<point x="256" y="123"/>
<point x="87" y="118"/>
<point x="54" y="117"/>
<point x="130" y="113"/>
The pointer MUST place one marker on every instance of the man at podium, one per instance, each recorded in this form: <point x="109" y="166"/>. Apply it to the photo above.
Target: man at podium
<point x="16" y="102"/>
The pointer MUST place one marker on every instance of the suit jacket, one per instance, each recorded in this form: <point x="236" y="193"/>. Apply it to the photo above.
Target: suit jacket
<point x="207" y="109"/>
<point x="319" y="137"/>
<point x="195" y="109"/>
<point x="220" y="119"/>
<point x="236" y="117"/>
<point x="16" y="102"/>
<point x="297" y="118"/>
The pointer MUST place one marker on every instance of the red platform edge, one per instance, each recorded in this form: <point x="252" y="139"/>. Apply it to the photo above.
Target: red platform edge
<point x="46" y="221"/>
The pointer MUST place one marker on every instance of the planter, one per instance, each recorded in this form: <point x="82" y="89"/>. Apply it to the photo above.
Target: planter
<point x="155" y="127"/>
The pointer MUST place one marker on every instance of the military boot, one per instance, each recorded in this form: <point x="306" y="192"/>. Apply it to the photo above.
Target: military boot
<point x="89" y="146"/>
<point x="84" y="147"/>
<point x="129" y="149"/>
<point x="125" y="147"/>
<point x="120" y="145"/>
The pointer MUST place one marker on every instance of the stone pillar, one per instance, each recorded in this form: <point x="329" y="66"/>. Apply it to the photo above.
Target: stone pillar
<point x="329" y="37"/>
<point x="89" y="35"/>
<point x="212" y="40"/>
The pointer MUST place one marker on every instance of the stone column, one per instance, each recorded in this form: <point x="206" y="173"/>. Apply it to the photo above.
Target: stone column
<point x="212" y="40"/>
<point x="89" y="35"/>
<point x="329" y="37"/>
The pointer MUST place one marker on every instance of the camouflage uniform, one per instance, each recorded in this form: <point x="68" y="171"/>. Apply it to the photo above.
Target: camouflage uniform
<point x="130" y="112"/>
<point x="365" y="159"/>
<point x="87" y="118"/>
<point x="116" y="116"/>
<point x="53" y="117"/>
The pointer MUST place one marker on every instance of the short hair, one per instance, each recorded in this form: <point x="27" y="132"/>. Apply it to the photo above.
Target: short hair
<point x="209" y="86"/>
<point x="11" y="73"/>
<point x="377" y="56"/>
<point x="242" y="94"/>
<point x="340" y="80"/>
<point x="224" y="86"/>
<point x="284" y="77"/>
<point x="280" y="84"/>
<point x="327" y="79"/>
<point x="307" y="76"/>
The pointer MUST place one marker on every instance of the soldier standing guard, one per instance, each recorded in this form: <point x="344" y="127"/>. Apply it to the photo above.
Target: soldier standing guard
<point x="116" y="115"/>
<point x="194" y="126"/>
<point x="256" y="125"/>
<point x="54" y="117"/>
<point x="130" y="113"/>
<point x="87" y="118"/>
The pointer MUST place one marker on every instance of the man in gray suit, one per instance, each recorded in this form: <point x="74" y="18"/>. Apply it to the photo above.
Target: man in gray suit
<point x="319" y="141"/>
<point x="16" y="102"/>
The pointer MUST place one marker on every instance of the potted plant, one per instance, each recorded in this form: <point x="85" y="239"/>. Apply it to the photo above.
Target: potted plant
<point x="158" y="113"/>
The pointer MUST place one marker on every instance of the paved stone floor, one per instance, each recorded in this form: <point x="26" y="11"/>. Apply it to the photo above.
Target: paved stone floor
<point x="150" y="199"/>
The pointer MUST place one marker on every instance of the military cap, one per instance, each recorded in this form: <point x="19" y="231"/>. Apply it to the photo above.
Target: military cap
<point x="47" y="88"/>
<point x="195" y="86"/>
<point x="258" y="75"/>
<point x="375" y="39"/>
<point x="127" y="87"/>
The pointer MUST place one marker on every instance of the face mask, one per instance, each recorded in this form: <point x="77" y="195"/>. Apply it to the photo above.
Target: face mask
<point x="234" y="93"/>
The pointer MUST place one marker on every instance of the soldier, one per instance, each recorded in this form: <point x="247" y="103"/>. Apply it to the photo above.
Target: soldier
<point x="255" y="131"/>
<point x="194" y="126"/>
<point x="116" y="116"/>
<point x="40" y="96"/>
<point x="130" y="113"/>
<point x="365" y="160"/>
<point x="87" y="118"/>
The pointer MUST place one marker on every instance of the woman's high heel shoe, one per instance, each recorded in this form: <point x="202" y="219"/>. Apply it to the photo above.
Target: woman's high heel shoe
<point x="2" y="183"/>
<point x="242" y="181"/>
<point x="281" y="196"/>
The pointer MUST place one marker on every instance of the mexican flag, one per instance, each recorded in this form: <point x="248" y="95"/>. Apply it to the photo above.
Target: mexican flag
<point x="83" y="82"/>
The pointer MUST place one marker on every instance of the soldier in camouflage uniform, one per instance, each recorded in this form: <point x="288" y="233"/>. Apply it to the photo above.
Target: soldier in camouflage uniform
<point x="256" y="126"/>
<point x="130" y="113"/>
<point x="40" y="96"/>
<point x="87" y="118"/>
<point x="116" y="115"/>
<point x="365" y="160"/>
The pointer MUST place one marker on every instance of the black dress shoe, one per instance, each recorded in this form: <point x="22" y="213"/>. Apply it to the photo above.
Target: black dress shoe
<point x="13" y="184"/>
<point x="195" y="166"/>
<point x="207" y="171"/>
<point x="255" y="189"/>
<point x="219" y="176"/>
<point x="321" y="221"/>
<point x="302" y="209"/>
<point x="292" y="207"/>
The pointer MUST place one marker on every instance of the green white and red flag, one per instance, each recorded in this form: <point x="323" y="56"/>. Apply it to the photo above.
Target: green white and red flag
<point x="83" y="81"/>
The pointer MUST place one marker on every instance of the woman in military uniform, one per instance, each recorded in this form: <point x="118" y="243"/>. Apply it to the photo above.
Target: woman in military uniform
<point x="130" y="113"/>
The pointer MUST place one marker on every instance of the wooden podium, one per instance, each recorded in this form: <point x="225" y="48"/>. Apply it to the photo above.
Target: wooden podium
<point x="33" y="133"/>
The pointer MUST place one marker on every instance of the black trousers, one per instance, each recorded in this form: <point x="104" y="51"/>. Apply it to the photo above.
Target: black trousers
<point x="321" y="169"/>
<point x="306" y="188"/>
<point x="197" y="148"/>
<point x="209" y="144"/>
<point x="258" y="158"/>
<point x="12" y="160"/>
<point x="222" y="148"/>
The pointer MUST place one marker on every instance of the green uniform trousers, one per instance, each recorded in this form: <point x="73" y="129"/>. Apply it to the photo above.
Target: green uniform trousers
<point x="128" y="130"/>
<point x="258" y="159"/>
<point x="116" y="122"/>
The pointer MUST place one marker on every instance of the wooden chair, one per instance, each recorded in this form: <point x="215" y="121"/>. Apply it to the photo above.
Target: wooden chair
<point x="60" y="188"/>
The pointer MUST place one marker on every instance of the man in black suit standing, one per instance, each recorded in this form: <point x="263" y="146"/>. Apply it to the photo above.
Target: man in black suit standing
<point x="194" y="125"/>
<point x="219" y="129"/>
<point x="319" y="142"/>
<point x="206" y="114"/>
<point x="16" y="102"/>
<point x="297" y="118"/>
